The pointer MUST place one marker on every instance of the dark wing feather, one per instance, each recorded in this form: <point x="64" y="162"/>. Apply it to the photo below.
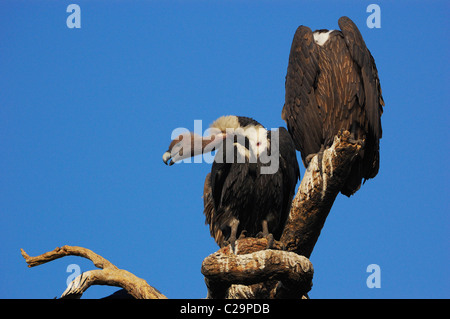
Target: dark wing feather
<point x="219" y="174"/>
<point x="340" y="92"/>
<point x="210" y="211"/>
<point x="291" y="174"/>
<point x="300" y="111"/>
<point x="369" y="73"/>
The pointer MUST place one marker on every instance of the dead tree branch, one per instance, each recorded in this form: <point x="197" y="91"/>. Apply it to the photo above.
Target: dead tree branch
<point x="108" y="275"/>
<point x="316" y="194"/>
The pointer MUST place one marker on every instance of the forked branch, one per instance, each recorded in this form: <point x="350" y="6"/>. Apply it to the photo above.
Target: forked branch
<point x="108" y="275"/>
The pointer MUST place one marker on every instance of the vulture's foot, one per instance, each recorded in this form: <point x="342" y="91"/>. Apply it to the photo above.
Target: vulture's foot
<point x="233" y="235"/>
<point x="269" y="241"/>
<point x="230" y="241"/>
<point x="319" y="158"/>
<point x="269" y="238"/>
<point x="265" y="234"/>
<point x="352" y="138"/>
<point x="355" y="141"/>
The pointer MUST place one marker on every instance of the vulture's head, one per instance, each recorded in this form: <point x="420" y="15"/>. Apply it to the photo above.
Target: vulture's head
<point x="247" y="136"/>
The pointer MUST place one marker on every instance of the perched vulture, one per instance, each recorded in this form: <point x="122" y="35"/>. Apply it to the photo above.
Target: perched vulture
<point x="252" y="180"/>
<point x="331" y="85"/>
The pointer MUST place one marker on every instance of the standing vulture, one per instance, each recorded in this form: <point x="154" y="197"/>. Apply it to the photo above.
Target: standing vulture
<point x="240" y="196"/>
<point x="331" y="85"/>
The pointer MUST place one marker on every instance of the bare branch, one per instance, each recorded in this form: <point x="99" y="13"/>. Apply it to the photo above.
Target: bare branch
<point x="58" y="252"/>
<point x="316" y="194"/>
<point x="109" y="275"/>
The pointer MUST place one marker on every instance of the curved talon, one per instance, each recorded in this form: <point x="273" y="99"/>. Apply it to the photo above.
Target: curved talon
<point x="319" y="157"/>
<point x="232" y="243"/>
<point x="357" y="142"/>
<point x="270" y="241"/>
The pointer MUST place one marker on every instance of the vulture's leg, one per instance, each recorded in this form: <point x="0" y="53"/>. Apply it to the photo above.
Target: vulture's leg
<point x="265" y="233"/>
<point x="233" y="224"/>
<point x="265" y="227"/>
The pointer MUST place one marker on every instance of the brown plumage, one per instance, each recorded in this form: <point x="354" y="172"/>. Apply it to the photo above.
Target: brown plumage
<point x="331" y="85"/>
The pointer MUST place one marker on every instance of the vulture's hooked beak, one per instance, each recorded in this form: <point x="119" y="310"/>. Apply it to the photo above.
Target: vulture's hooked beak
<point x="191" y="144"/>
<point x="166" y="158"/>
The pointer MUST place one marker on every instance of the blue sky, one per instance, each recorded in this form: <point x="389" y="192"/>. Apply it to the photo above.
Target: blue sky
<point x="86" y="114"/>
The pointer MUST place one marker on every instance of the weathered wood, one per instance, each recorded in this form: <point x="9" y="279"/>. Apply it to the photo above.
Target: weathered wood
<point x="250" y="245"/>
<point x="60" y="252"/>
<point x="108" y="275"/>
<point x="316" y="194"/>
<point x="225" y="268"/>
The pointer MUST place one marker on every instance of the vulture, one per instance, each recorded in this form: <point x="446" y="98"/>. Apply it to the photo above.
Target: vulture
<point x="252" y="180"/>
<point x="331" y="85"/>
